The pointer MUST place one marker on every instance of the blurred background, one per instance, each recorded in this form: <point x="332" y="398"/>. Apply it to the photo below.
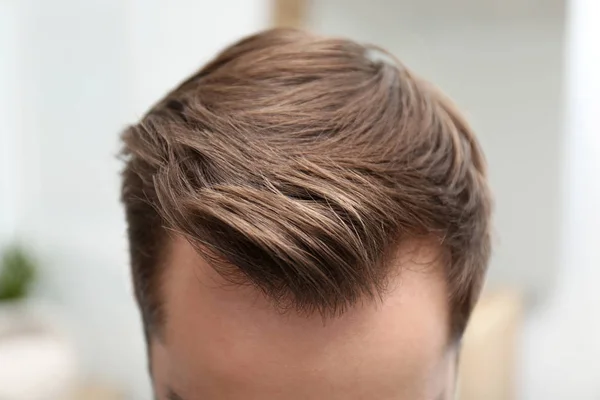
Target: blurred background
<point x="74" y="73"/>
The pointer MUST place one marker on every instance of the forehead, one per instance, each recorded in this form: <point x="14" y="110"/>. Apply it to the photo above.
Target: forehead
<point x="225" y="341"/>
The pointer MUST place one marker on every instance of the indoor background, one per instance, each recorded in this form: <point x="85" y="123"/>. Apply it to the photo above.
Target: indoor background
<point x="74" y="73"/>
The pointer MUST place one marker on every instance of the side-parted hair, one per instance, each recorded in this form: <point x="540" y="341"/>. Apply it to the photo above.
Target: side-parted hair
<point x="298" y="164"/>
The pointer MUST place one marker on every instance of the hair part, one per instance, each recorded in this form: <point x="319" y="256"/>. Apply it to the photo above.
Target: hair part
<point x="298" y="163"/>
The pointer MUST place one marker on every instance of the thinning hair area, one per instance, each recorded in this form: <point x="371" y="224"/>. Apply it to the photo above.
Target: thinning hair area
<point x="298" y="163"/>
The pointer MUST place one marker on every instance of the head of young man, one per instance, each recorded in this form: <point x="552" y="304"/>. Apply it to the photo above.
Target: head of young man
<point x="306" y="221"/>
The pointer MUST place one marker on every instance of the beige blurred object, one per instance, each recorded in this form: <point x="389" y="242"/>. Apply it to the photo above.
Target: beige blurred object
<point x="38" y="360"/>
<point x="488" y="359"/>
<point x="289" y="13"/>
<point x="96" y="392"/>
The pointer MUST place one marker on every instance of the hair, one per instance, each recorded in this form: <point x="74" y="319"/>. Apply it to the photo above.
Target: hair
<point x="298" y="164"/>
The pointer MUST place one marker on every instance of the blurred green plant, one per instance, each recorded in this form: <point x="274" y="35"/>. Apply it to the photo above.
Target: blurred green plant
<point x="17" y="273"/>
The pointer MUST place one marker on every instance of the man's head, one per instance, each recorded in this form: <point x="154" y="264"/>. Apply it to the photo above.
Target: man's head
<point x="306" y="221"/>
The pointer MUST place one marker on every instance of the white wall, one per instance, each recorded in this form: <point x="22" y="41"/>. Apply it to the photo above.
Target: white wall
<point x="9" y="102"/>
<point x="502" y="63"/>
<point x="86" y="70"/>
<point x="562" y="341"/>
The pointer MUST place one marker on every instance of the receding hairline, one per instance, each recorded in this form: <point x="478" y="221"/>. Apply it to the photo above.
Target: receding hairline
<point x="422" y="257"/>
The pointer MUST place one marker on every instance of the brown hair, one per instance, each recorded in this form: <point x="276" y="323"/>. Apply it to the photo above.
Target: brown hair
<point x="298" y="163"/>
